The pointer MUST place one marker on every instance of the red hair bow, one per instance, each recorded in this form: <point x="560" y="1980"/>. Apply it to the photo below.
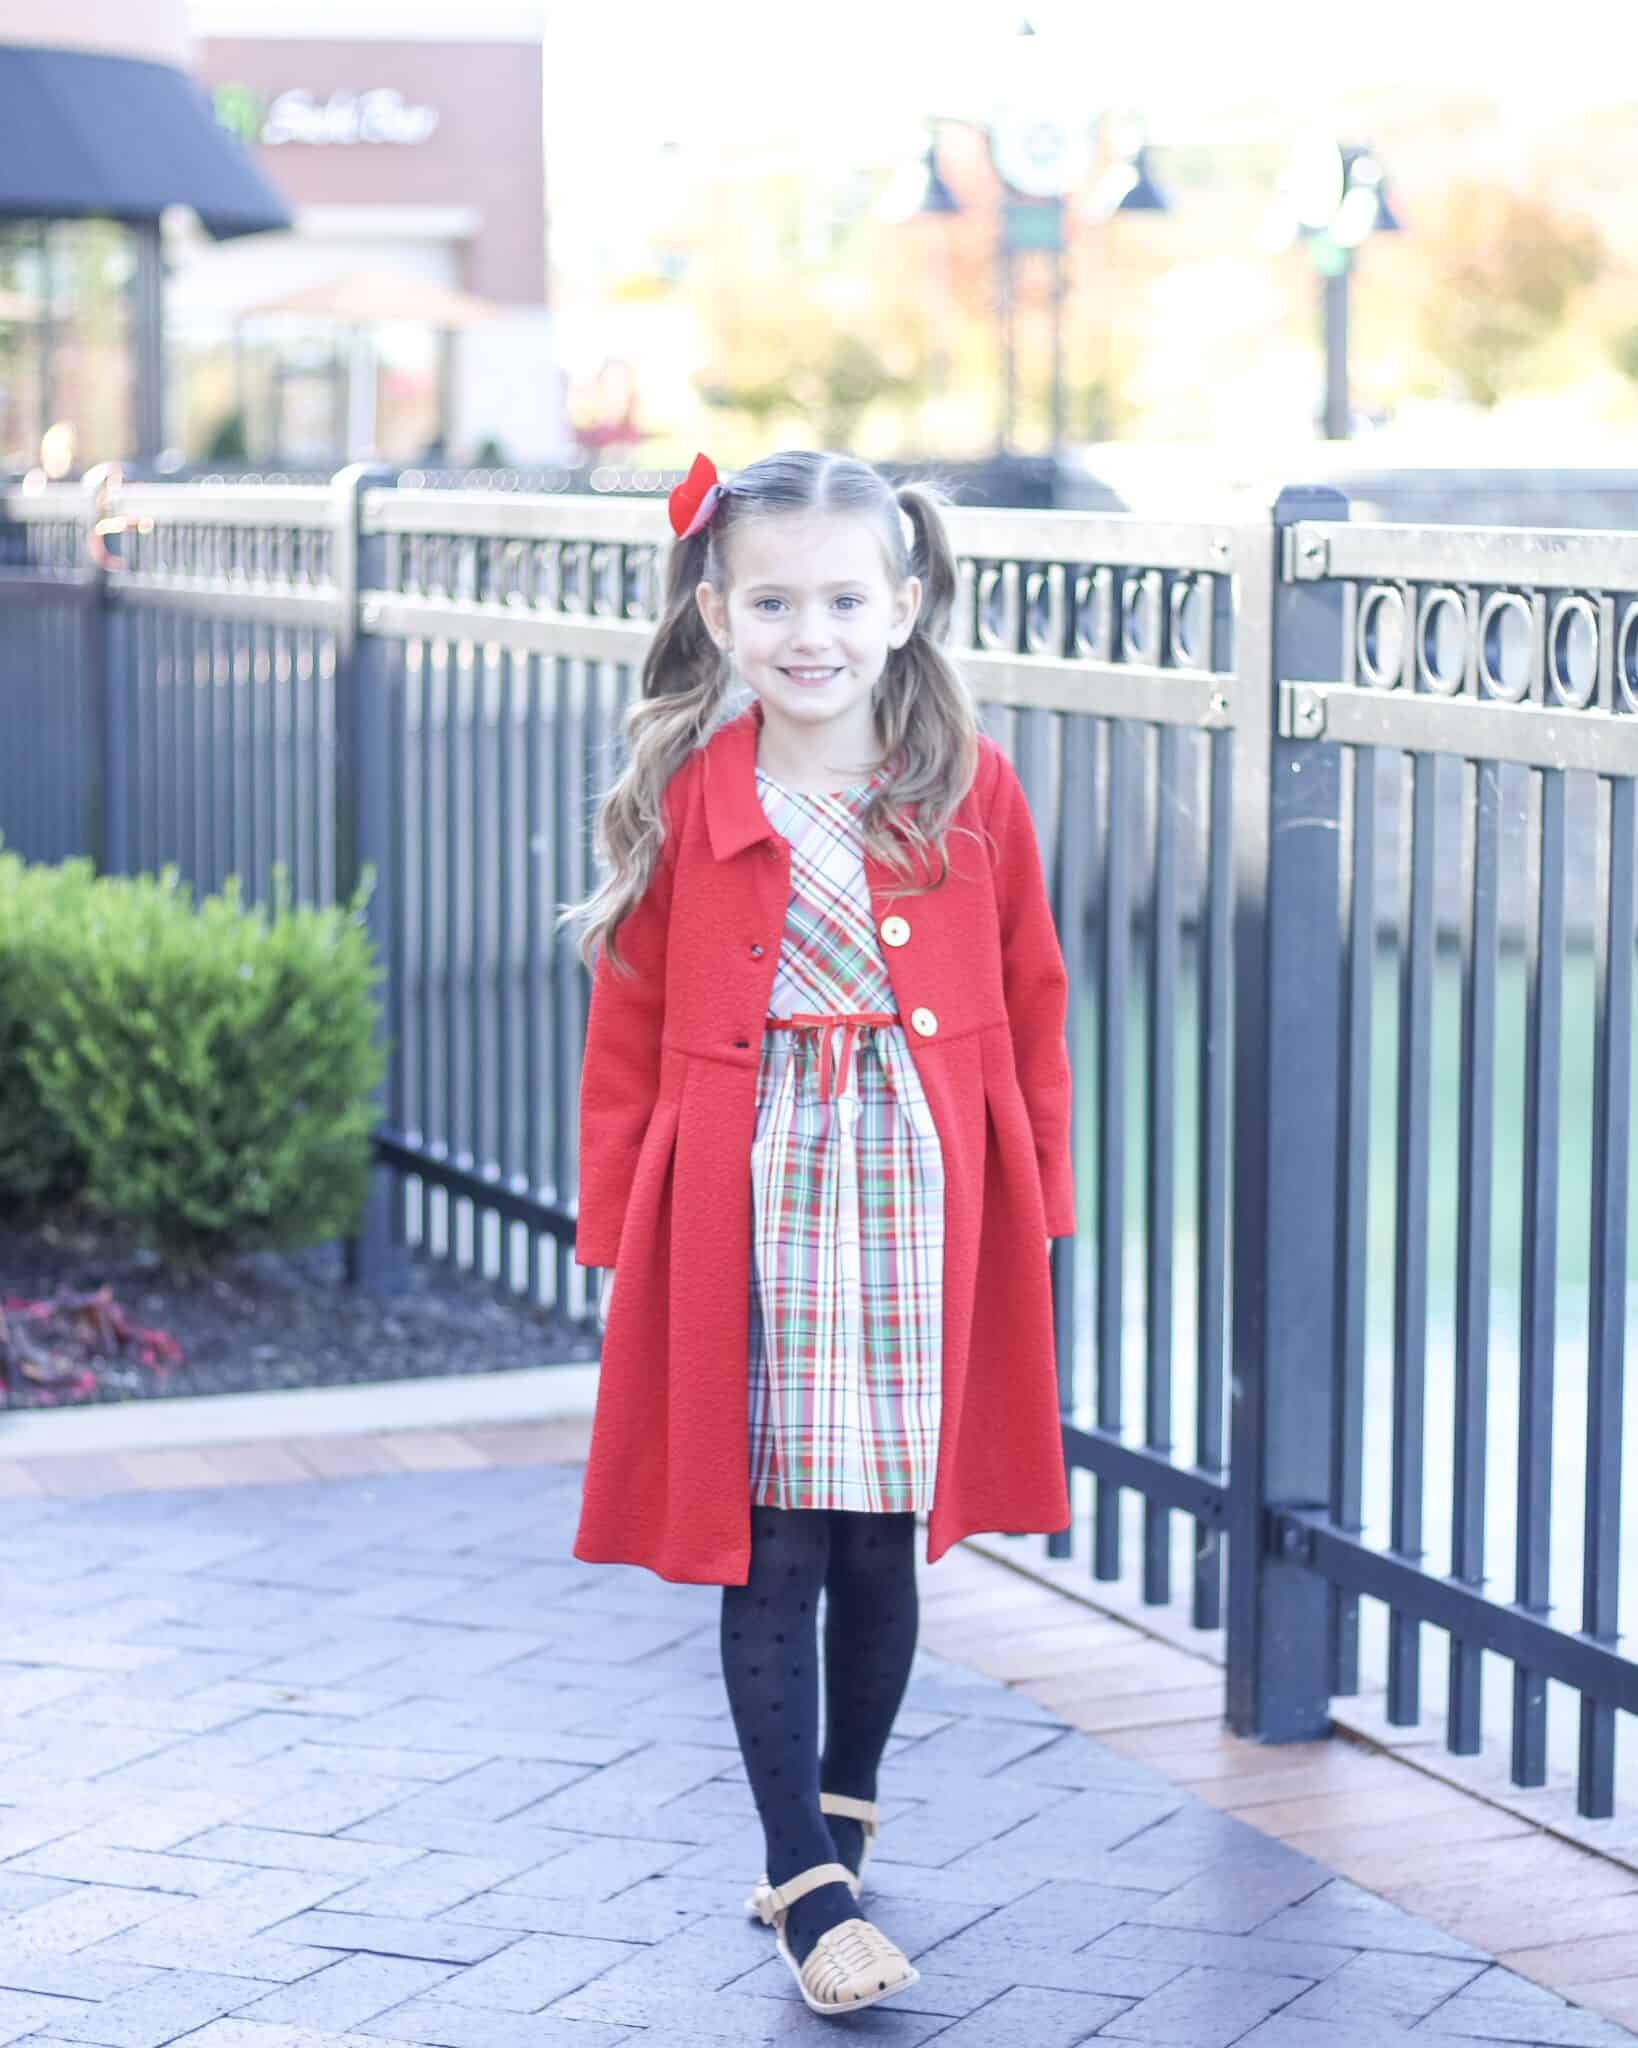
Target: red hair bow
<point x="695" y="498"/>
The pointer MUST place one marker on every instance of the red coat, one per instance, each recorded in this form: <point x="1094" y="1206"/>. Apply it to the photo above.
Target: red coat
<point x="667" y="1115"/>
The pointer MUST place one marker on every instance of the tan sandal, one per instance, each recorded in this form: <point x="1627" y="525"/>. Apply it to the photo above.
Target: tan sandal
<point x="852" y="1964"/>
<point x="759" y="1900"/>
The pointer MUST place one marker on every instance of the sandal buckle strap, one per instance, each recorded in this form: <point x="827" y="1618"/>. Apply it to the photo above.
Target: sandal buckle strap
<point x="805" y="1881"/>
<point x="844" y="1803"/>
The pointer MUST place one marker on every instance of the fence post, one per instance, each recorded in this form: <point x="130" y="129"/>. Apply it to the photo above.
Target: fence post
<point x="1288" y="991"/>
<point x="106" y="818"/>
<point x="376" y="1257"/>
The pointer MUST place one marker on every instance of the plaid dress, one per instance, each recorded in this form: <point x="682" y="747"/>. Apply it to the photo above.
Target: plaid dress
<point x="847" y="1176"/>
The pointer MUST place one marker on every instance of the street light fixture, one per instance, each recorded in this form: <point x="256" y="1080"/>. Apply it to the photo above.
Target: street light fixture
<point x="1128" y="186"/>
<point x="1334" y="198"/>
<point x="937" y="197"/>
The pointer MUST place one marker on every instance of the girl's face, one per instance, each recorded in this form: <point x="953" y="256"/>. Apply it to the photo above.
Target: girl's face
<point x="811" y="615"/>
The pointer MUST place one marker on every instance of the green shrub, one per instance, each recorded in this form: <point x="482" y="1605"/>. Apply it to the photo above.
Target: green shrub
<point x="214" y="1065"/>
<point x="39" y="1159"/>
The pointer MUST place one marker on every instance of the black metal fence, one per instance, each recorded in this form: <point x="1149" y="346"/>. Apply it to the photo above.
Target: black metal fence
<point x="1340" y="825"/>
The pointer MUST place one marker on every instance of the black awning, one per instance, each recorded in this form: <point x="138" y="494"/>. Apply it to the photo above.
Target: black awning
<point x="85" y="133"/>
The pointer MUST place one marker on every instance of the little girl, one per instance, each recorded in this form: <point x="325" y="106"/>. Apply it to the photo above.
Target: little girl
<point x="824" y="1138"/>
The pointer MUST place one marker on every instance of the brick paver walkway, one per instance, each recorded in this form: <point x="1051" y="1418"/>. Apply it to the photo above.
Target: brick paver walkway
<point x="371" y="1758"/>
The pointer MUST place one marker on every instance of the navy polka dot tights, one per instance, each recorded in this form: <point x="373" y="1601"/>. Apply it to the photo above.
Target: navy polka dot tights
<point x="865" y="1565"/>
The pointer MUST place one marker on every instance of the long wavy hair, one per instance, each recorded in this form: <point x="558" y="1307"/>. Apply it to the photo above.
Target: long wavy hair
<point x="926" y="726"/>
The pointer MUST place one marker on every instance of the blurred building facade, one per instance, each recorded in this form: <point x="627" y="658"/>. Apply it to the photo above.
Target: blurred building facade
<point x="405" y="163"/>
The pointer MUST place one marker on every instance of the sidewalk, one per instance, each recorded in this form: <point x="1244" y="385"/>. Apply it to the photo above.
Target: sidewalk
<point x="331" y="1740"/>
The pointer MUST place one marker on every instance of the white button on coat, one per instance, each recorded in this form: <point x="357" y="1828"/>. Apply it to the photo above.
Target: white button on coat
<point x="895" y="930"/>
<point x="923" y="1021"/>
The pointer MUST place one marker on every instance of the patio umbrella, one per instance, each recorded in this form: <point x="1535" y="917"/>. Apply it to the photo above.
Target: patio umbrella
<point x="369" y="298"/>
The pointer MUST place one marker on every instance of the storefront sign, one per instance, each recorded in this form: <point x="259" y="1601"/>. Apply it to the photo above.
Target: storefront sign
<point x="445" y="133"/>
<point x="380" y="114"/>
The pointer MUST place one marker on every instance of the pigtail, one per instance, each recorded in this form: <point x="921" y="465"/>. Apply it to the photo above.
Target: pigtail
<point x="932" y="558"/>
<point x="925" y="708"/>
<point x="684" y="682"/>
<point x="682" y="657"/>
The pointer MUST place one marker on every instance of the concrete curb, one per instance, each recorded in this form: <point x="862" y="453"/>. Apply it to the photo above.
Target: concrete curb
<point x="536" y="1393"/>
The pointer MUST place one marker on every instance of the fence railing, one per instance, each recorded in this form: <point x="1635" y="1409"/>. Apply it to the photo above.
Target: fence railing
<point x="1339" y="823"/>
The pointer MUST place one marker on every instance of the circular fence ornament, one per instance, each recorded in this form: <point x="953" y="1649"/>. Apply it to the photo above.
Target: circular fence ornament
<point x="1379" y="637"/>
<point x="1506" y="629"/>
<point x="1441" y="654"/>
<point x="1626" y="659"/>
<point x="996" y="623"/>
<point x="1140" y="617"/>
<point x="1093" y="626"/>
<point x="1572" y="653"/>
<point x="1188" y="622"/>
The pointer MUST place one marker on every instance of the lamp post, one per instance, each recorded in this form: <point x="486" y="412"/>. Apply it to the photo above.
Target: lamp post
<point x="1040" y="161"/>
<point x="1336" y="199"/>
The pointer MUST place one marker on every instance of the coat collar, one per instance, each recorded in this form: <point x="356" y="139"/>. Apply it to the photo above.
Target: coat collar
<point x="734" y="817"/>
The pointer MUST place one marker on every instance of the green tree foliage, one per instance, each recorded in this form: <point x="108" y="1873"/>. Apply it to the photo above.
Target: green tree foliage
<point x="1501" y="268"/>
<point x="813" y="371"/>
<point x="1624" y="352"/>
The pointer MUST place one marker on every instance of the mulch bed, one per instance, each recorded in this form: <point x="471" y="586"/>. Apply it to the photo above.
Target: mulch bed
<point x="257" y="1321"/>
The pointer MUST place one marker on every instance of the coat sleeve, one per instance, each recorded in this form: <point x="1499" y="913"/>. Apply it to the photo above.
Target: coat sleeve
<point x="620" y="1070"/>
<point x="1036" y="987"/>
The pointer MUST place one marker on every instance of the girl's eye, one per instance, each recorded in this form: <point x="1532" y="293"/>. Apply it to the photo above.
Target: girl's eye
<point x="850" y="600"/>
<point x="761" y="601"/>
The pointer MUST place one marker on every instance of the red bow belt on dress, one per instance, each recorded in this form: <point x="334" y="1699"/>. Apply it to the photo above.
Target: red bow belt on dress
<point x="828" y="1023"/>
